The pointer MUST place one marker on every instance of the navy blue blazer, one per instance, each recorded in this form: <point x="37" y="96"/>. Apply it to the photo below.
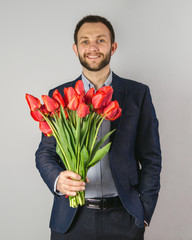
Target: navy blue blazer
<point x="135" y="156"/>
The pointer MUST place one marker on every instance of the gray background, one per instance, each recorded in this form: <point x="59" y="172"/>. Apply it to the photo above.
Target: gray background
<point x="154" y="47"/>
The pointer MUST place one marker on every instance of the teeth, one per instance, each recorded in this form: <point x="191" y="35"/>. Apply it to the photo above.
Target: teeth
<point x="93" y="57"/>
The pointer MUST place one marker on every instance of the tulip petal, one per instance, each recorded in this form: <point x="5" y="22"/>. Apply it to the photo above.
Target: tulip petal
<point x="37" y="116"/>
<point x="112" y="111"/>
<point x="73" y="103"/>
<point x="108" y="92"/>
<point x="79" y="87"/>
<point x="99" y="111"/>
<point x="102" y="97"/>
<point x="44" y="110"/>
<point x="44" y="127"/>
<point x="111" y="105"/>
<point x="69" y="93"/>
<point x="116" y="115"/>
<point x="98" y="100"/>
<point x="83" y="110"/>
<point x="113" y="114"/>
<point x="50" y="103"/>
<point x="33" y="102"/>
<point x="89" y="95"/>
<point x="57" y="96"/>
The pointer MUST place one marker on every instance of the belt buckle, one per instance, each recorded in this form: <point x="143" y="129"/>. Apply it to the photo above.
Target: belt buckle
<point x="93" y="203"/>
<point x="96" y="203"/>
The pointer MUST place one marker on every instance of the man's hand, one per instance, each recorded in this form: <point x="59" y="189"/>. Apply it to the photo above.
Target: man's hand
<point x="67" y="185"/>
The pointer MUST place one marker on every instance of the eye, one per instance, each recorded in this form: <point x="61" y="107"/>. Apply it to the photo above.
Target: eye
<point x="101" y="40"/>
<point x="84" y="42"/>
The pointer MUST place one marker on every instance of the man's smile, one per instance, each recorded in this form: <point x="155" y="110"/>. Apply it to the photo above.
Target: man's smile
<point x="93" y="56"/>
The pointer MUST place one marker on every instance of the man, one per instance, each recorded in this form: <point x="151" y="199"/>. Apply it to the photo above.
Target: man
<point x="122" y="189"/>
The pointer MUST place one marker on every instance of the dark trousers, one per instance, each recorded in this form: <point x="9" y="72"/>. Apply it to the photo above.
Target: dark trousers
<point x="109" y="224"/>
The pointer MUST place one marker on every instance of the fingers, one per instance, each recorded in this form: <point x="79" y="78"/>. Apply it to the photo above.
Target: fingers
<point x="67" y="185"/>
<point x="70" y="174"/>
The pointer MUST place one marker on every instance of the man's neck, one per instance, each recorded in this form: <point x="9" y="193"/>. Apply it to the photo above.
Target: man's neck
<point x="97" y="78"/>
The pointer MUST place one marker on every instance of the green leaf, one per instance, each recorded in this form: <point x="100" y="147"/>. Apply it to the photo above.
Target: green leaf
<point x="70" y="140"/>
<point x="84" y="125"/>
<point x="96" y="132"/>
<point x="82" y="170"/>
<point x="65" y="133"/>
<point x="60" y="153"/>
<point x="61" y="132"/>
<point x="84" y="130"/>
<point x="84" y="159"/>
<point x="78" y="129"/>
<point x="84" y="155"/>
<point x="64" y="145"/>
<point x="99" y="155"/>
<point x="99" y="144"/>
<point x="92" y="131"/>
<point x="72" y="128"/>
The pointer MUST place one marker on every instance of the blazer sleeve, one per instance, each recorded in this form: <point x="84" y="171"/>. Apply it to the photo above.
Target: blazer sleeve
<point x="48" y="162"/>
<point x="148" y="154"/>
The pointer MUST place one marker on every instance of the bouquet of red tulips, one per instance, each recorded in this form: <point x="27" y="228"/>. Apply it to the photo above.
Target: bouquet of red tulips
<point x="74" y="121"/>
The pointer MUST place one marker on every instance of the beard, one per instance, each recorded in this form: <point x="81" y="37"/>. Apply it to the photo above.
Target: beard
<point x="101" y="65"/>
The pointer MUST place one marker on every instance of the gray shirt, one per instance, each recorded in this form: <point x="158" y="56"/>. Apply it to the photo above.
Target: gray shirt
<point x="101" y="183"/>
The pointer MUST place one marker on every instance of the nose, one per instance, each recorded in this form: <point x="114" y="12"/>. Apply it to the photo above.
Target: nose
<point x="93" y="47"/>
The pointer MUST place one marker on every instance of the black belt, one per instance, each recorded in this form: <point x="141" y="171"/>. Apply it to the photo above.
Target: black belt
<point x="102" y="203"/>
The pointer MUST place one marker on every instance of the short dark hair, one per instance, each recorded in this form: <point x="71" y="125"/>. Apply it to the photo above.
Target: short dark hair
<point x="94" y="19"/>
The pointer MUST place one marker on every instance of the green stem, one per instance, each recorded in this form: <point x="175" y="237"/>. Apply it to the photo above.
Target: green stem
<point x="88" y="132"/>
<point x="102" y="118"/>
<point x="78" y="159"/>
<point x="56" y="137"/>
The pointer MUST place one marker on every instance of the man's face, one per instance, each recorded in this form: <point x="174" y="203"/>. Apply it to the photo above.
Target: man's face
<point x="94" y="47"/>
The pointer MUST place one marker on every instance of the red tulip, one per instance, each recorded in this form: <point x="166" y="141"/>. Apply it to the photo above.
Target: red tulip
<point x="33" y="102"/>
<point x="73" y="103"/>
<point x="37" y="116"/>
<point x="57" y="96"/>
<point x="81" y="99"/>
<point x="102" y="97"/>
<point x="79" y="87"/>
<point x="44" y="110"/>
<point x="112" y="111"/>
<point x="99" y="111"/>
<point x="50" y="103"/>
<point x="69" y="93"/>
<point x="44" y="127"/>
<point x="83" y="110"/>
<point x="98" y="100"/>
<point x="116" y="113"/>
<point x="89" y="95"/>
<point x="108" y="92"/>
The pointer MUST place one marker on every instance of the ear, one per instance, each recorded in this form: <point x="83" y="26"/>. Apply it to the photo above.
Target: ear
<point x="113" y="48"/>
<point x="75" y="49"/>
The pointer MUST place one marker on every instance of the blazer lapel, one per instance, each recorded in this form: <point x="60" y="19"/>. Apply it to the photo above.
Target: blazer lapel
<point x="119" y="94"/>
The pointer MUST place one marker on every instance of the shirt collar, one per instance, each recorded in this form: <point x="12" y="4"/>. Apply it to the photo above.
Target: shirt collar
<point x="88" y="84"/>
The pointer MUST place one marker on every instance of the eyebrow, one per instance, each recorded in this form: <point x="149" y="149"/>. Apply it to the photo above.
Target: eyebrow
<point x="102" y="36"/>
<point x="99" y="36"/>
